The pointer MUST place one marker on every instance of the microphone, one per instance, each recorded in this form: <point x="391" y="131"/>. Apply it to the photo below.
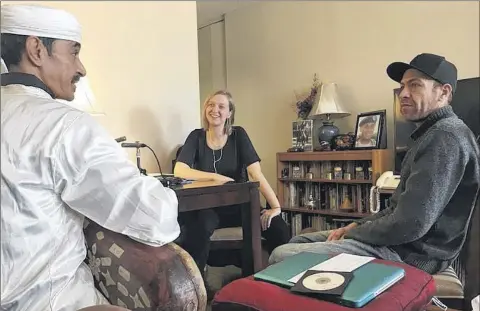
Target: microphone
<point x="139" y="145"/>
<point x="120" y="139"/>
<point x="136" y="144"/>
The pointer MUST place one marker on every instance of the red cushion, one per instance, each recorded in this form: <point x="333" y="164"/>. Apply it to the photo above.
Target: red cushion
<point x="413" y="292"/>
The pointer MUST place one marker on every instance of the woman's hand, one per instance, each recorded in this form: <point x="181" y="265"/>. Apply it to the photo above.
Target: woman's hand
<point x="339" y="233"/>
<point x="267" y="215"/>
<point x="221" y="178"/>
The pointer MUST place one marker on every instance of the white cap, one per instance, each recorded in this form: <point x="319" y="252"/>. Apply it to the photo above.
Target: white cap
<point x="40" y="21"/>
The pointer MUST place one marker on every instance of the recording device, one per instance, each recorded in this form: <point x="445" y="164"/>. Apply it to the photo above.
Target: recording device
<point x="167" y="181"/>
<point x="120" y="139"/>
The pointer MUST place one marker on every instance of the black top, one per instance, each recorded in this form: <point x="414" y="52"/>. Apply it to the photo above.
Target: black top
<point x="232" y="160"/>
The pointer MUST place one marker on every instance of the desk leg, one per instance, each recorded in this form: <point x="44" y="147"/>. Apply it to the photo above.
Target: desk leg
<point x="252" y="235"/>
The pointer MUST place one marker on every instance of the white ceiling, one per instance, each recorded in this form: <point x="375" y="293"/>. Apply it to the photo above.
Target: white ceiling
<point x="212" y="11"/>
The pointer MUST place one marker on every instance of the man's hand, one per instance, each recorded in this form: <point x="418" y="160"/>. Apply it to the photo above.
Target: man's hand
<point x="267" y="215"/>
<point x="339" y="233"/>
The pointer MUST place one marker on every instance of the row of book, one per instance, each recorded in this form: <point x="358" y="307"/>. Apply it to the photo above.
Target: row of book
<point x="333" y="170"/>
<point x="298" y="222"/>
<point x="326" y="196"/>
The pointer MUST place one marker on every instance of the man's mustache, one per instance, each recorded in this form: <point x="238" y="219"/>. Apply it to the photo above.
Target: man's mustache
<point x="76" y="79"/>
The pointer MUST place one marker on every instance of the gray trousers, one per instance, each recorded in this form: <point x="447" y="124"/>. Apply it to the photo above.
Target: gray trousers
<point x="316" y="242"/>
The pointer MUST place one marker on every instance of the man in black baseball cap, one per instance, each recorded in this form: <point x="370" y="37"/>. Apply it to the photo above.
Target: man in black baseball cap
<point x="427" y="83"/>
<point x="426" y="222"/>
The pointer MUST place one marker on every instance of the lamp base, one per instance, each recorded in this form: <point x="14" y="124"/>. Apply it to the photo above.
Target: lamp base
<point x="327" y="132"/>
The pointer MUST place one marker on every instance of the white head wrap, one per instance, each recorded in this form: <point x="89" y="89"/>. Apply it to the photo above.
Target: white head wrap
<point x="39" y="21"/>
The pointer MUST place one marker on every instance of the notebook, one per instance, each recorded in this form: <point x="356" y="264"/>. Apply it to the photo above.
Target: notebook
<point x="369" y="280"/>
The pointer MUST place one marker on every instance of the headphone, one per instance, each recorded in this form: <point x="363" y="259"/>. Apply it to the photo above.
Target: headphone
<point x="216" y="161"/>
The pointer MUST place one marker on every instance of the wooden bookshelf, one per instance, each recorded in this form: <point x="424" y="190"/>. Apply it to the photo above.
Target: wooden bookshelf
<point x="369" y="181"/>
<point x="326" y="187"/>
<point x="325" y="212"/>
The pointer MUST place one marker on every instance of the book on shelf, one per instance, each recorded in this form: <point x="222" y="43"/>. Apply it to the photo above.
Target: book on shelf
<point x="317" y="196"/>
<point x="326" y="190"/>
<point x="297" y="222"/>
<point x="334" y="171"/>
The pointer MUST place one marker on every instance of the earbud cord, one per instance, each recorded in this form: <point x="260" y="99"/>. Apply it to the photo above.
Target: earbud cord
<point x="215" y="161"/>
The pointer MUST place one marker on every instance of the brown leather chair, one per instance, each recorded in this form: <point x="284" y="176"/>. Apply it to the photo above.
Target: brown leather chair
<point x="136" y="276"/>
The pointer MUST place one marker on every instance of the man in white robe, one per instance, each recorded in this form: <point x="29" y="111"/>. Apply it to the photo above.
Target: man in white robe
<point x="59" y="166"/>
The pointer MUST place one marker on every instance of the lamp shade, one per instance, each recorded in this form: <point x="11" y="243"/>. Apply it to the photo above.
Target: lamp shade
<point x="84" y="99"/>
<point x="328" y="105"/>
<point x="4" y="67"/>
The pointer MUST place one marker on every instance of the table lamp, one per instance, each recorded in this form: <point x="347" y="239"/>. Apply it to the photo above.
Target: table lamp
<point x="84" y="99"/>
<point x="328" y="107"/>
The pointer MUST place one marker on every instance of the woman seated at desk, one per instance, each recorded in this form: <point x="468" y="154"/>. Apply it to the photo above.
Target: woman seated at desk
<point x="223" y="152"/>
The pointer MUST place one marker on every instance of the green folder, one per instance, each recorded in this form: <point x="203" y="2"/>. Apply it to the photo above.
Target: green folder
<point x="283" y="271"/>
<point x="369" y="280"/>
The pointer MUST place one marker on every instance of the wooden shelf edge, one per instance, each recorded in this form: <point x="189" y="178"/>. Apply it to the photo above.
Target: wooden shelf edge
<point x="347" y="155"/>
<point x="326" y="212"/>
<point x="331" y="181"/>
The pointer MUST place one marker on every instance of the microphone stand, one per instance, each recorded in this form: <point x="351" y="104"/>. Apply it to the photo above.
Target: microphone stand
<point x="137" y="145"/>
<point x="142" y="170"/>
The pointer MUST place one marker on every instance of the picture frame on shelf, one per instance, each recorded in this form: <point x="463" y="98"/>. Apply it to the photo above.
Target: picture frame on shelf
<point x="370" y="130"/>
<point x="302" y="135"/>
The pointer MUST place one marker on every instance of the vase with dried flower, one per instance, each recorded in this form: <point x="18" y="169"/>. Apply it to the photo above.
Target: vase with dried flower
<point x="303" y="107"/>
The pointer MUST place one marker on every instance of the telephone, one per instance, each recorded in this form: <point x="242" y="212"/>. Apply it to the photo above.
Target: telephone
<point x="387" y="181"/>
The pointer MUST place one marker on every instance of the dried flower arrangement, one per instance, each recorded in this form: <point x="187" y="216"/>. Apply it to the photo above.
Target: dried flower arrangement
<point x="303" y="107"/>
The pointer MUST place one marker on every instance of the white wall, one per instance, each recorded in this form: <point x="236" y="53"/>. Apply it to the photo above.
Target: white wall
<point x="142" y="63"/>
<point x="212" y="62"/>
<point x="275" y="47"/>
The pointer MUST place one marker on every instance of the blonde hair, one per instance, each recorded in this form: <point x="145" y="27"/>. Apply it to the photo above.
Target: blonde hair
<point x="231" y="107"/>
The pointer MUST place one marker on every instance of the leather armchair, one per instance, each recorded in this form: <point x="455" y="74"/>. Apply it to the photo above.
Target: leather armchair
<point x="140" y="277"/>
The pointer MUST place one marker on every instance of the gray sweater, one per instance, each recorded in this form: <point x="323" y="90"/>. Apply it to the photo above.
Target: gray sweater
<point x="427" y="220"/>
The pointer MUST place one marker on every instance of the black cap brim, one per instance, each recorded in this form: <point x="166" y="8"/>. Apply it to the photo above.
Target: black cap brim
<point x="396" y="70"/>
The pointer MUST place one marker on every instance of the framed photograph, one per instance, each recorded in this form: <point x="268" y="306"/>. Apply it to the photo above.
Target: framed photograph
<point x="302" y="134"/>
<point x="370" y="130"/>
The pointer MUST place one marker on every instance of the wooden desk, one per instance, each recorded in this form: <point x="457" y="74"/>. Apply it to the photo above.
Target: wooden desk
<point x="208" y="194"/>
